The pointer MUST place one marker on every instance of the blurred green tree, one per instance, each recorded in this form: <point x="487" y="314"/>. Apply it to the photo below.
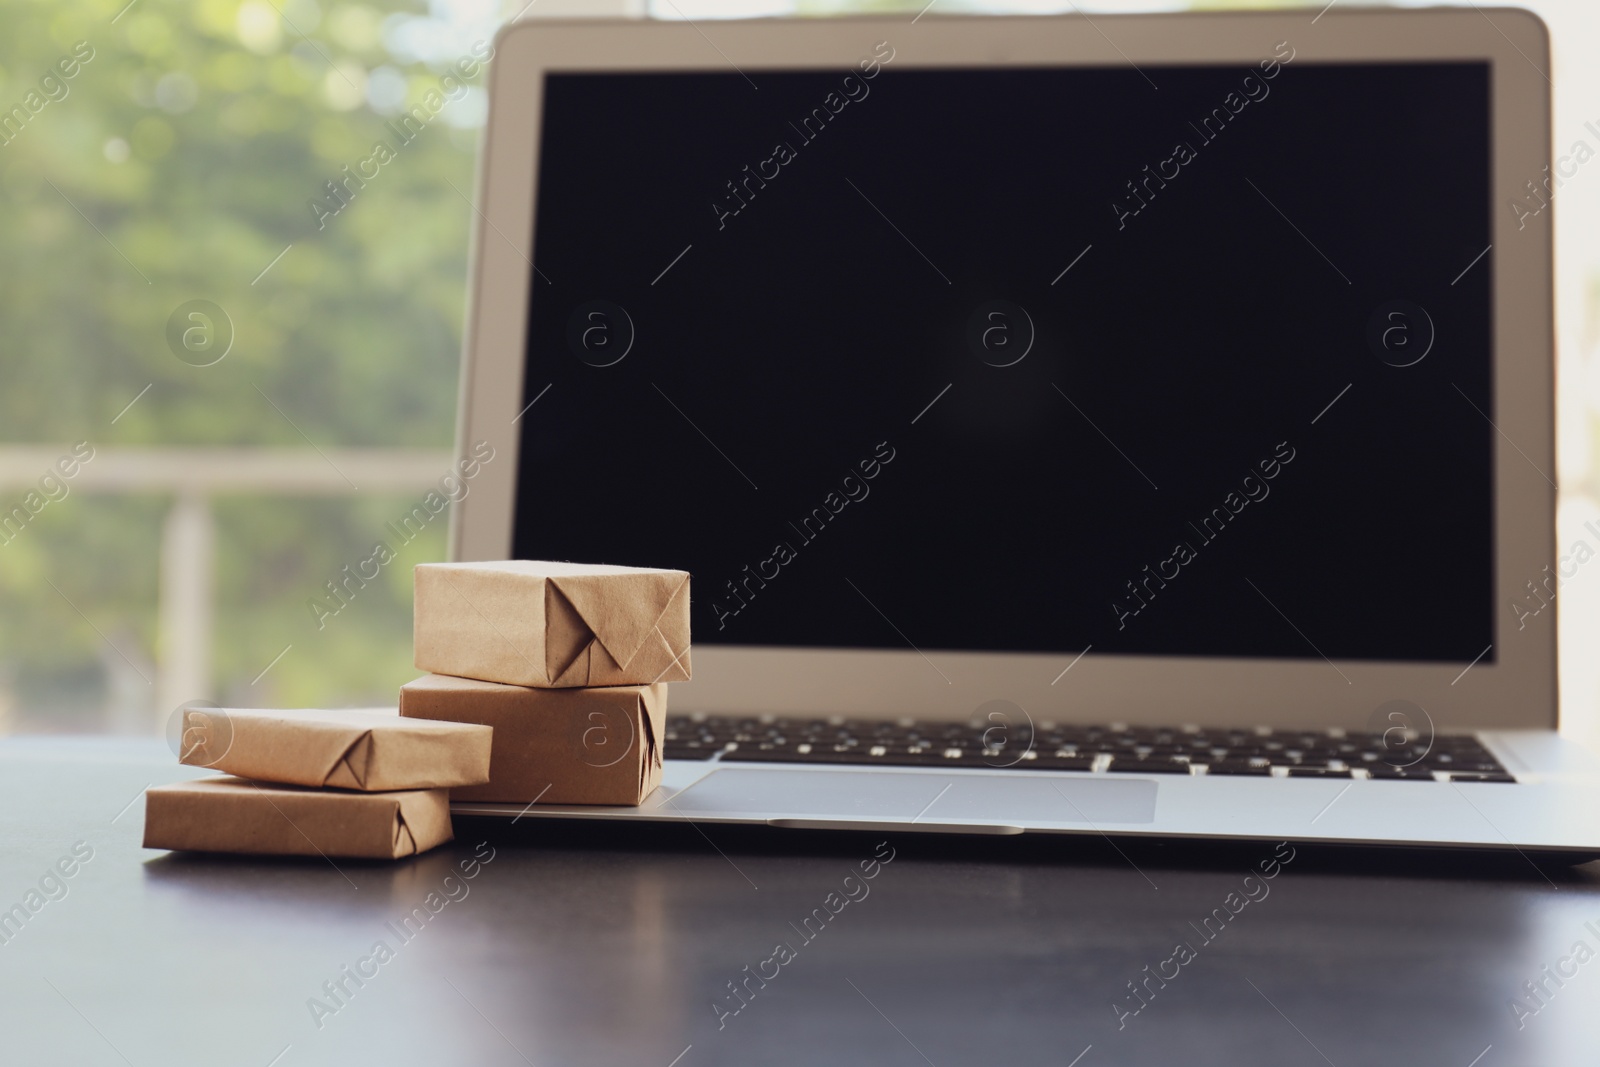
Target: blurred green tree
<point x="178" y="162"/>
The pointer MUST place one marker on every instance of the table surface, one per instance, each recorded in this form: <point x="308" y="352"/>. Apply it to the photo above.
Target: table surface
<point x="598" y="945"/>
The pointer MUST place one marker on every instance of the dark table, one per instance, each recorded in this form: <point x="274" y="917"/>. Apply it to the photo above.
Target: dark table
<point x="586" y="945"/>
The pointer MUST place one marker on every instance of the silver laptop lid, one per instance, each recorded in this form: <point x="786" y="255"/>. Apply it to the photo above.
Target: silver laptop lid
<point x="1202" y="376"/>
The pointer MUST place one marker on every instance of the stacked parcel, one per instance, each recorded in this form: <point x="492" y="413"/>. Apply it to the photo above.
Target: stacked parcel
<point x="569" y="663"/>
<point x="358" y="784"/>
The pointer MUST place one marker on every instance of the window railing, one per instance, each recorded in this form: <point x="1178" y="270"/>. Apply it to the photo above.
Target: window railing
<point x="192" y="476"/>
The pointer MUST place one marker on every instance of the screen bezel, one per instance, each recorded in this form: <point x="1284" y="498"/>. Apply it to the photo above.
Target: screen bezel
<point x="1517" y="690"/>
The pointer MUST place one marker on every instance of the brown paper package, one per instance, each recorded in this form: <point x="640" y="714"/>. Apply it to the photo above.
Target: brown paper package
<point x="552" y="625"/>
<point x="233" y="815"/>
<point x="372" y="751"/>
<point x="554" y="746"/>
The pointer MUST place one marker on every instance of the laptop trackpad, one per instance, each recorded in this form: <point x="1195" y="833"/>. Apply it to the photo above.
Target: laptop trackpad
<point x="927" y="797"/>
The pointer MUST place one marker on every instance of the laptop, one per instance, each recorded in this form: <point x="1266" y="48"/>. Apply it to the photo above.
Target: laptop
<point x="1127" y="426"/>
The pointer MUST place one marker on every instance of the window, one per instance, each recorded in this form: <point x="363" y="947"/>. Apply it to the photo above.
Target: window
<point x="232" y="325"/>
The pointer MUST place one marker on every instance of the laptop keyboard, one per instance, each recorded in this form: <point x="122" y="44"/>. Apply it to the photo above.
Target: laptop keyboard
<point x="1113" y="749"/>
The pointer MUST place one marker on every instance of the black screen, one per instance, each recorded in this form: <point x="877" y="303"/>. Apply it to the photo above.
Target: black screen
<point x="1024" y="359"/>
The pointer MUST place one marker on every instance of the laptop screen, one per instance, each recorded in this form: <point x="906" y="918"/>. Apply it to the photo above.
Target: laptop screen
<point x="1174" y="361"/>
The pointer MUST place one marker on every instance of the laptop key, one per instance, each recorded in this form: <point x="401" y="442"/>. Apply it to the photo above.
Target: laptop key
<point x="1130" y="765"/>
<point x="1467" y="765"/>
<point x="1317" y="772"/>
<point x="1403" y="774"/>
<point x="1239" y="767"/>
<point x="1054" y="763"/>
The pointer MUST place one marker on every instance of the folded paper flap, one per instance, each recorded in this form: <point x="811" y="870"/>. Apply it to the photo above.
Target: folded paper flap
<point x="653" y="705"/>
<point x="567" y="636"/>
<point x="351" y="769"/>
<point x="622" y="616"/>
<point x="404" y="844"/>
<point x="416" y="819"/>
<point x="647" y="739"/>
